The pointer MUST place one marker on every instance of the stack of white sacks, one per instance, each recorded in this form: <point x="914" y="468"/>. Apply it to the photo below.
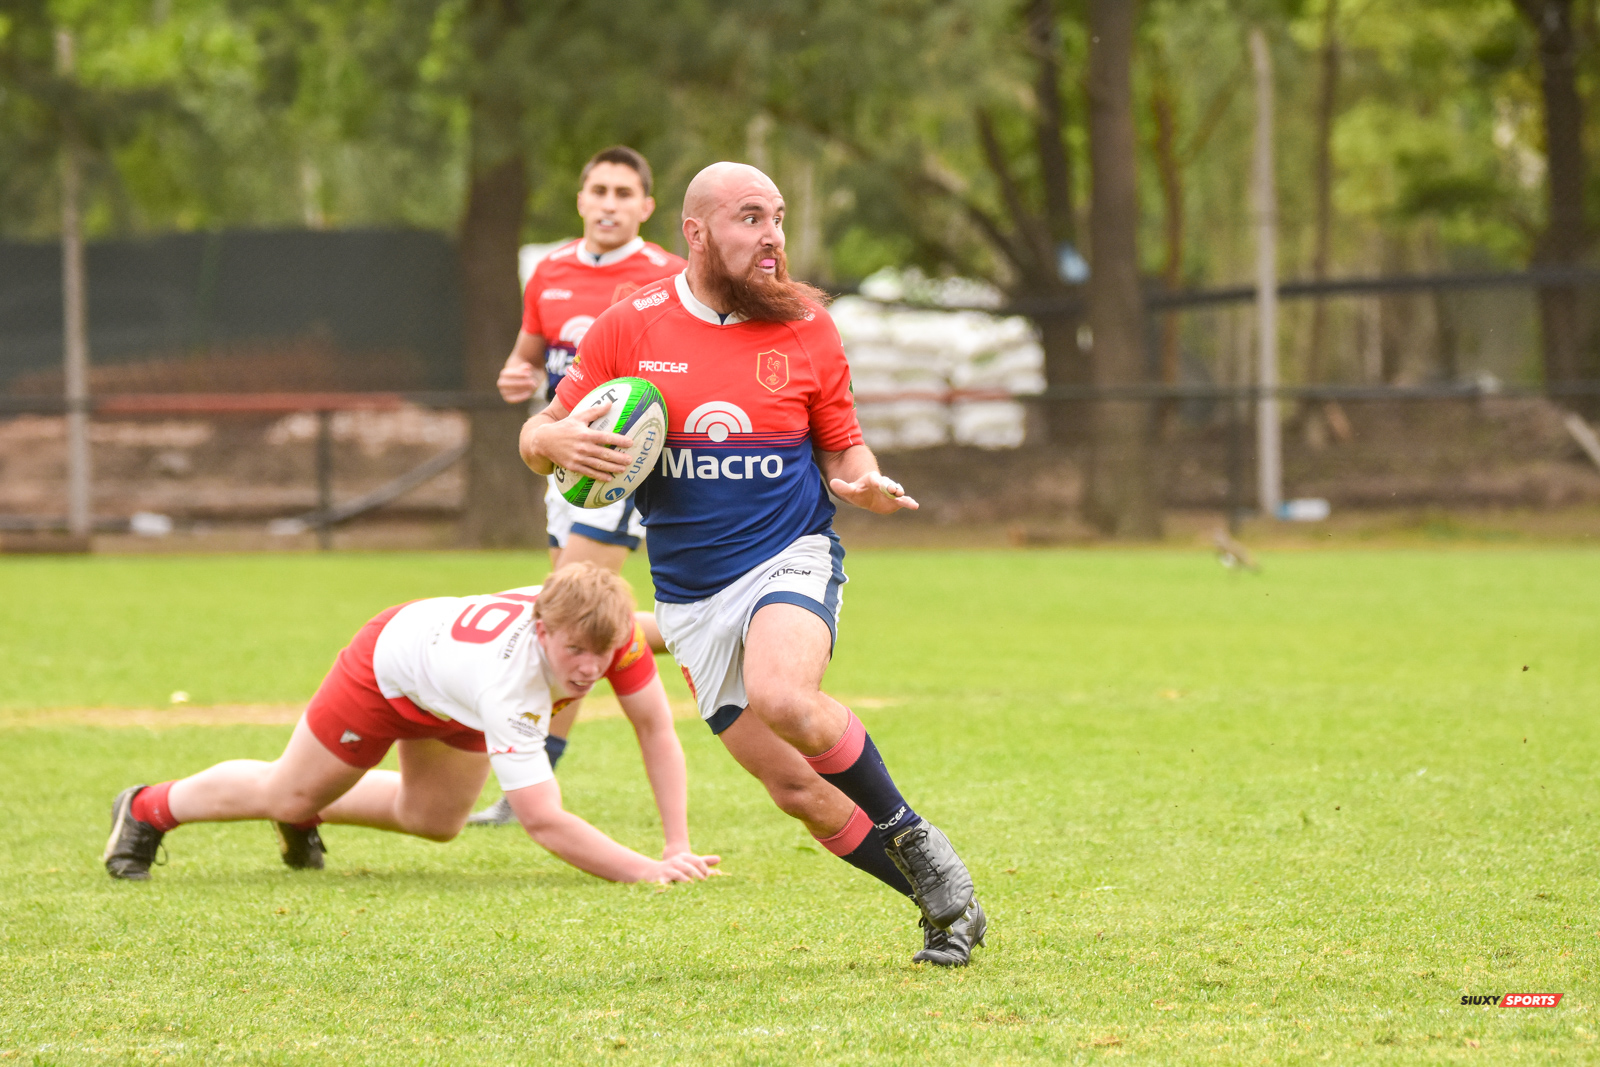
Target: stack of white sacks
<point x="906" y="363"/>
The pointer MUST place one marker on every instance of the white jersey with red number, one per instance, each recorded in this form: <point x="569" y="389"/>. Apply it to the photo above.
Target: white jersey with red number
<point x="475" y="660"/>
<point x="749" y="401"/>
<point x="571" y="287"/>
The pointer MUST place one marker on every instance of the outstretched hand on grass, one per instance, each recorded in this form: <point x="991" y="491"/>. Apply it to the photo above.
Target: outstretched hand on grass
<point x="685" y="867"/>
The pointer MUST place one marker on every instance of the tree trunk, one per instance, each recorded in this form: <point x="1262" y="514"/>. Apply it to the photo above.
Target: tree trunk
<point x="1121" y="497"/>
<point x="1566" y="236"/>
<point x="1322" y="181"/>
<point x="1065" y="364"/>
<point x="1055" y="163"/>
<point x="1164" y="145"/>
<point x="504" y="506"/>
<point x="1331" y="417"/>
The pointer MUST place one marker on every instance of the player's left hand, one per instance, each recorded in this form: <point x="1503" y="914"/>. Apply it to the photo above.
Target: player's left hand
<point x="682" y="867"/>
<point x="687" y="858"/>
<point x="874" y="492"/>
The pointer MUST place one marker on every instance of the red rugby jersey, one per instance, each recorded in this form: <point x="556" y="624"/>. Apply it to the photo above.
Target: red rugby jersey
<point x="569" y="290"/>
<point x="746" y="403"/>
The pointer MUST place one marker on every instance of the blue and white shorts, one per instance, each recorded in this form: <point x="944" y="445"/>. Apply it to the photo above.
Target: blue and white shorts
<point x="614" y="524"/>
<point x="707" y="636"/>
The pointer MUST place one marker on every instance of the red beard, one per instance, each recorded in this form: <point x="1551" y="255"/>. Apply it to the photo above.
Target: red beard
<point x="754" y="294"/>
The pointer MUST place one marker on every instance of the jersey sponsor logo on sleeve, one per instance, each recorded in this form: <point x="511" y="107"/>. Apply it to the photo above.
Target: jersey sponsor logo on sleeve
<point x="635" y="649"/>
<point x="656" y="366"/>
<point x="645" y="303"/>
<point x="772" y="369"/>
<point x="556" y="294"/>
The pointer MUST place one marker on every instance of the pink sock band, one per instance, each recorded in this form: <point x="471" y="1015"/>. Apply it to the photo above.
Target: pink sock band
<point x="151" y="806"/>
<point x="843" y="755"/>
<point x="310" y="824"/>
<point x="846" y="841"/>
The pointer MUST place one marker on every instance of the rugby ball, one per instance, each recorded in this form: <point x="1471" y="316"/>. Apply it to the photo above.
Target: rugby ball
<point x="636" y="411"/>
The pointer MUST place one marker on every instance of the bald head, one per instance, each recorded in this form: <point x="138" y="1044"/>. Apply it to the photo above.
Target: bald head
<point x="733" y="228"/>
<point x="721" y="183"/>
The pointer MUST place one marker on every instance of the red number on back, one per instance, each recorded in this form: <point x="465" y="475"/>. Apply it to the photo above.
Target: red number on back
<point x="471" y="629"/>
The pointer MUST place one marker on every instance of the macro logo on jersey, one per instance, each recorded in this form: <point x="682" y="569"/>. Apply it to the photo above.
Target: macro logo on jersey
<point x="717" y="419"/>
<point x="624" y="290"/>
<point x="563" y="350"/>
<point x="772" y="369"/>
<point x="729" y="448"/>
<point x="573" y="329"/>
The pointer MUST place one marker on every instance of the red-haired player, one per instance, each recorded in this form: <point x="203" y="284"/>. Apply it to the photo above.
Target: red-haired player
<point x="462" y="685"/>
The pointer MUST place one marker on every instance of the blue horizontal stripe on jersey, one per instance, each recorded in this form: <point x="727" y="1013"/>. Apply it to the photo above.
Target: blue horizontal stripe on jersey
<point x="716" y="511"/>
<point x="693" y="440"/>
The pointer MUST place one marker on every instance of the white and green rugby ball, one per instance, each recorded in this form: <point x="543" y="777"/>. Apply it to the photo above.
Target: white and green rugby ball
<point x="637" y="412"/>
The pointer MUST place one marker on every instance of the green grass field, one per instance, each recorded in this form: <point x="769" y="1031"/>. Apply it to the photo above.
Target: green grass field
<point x="1214" y="817"/>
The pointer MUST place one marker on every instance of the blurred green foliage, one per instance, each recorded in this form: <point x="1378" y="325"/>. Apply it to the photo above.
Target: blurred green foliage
<point x="215" y="113"/>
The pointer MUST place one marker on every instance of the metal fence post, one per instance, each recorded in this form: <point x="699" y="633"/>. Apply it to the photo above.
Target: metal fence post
<point x="324" y="478"/>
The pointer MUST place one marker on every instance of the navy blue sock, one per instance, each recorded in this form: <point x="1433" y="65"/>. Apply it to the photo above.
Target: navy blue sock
<point x="854" y="767"/>
<point x="553" y="747"/>
<point x="859" y="846"/>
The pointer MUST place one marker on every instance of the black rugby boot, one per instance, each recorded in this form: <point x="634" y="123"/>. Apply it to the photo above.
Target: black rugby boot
<point x="496" y="814"/>
<point x="301" y="849"/>
<point x="131" y="849"/>
<point x="953" y="947"/>
<point x="939" y="880"/>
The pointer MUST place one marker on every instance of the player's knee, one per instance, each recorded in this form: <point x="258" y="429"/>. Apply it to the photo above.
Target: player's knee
<point x="431" y="826"/>
<point x="787" y="710"/>
<point x="798" y="798"/>
<point x="291" y="809"/>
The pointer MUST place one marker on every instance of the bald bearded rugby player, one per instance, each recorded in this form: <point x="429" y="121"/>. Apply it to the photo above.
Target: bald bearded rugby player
<point x="747" y="568"/>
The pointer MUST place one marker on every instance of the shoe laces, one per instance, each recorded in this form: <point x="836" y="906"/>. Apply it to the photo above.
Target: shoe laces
<point x="918" y="860"/>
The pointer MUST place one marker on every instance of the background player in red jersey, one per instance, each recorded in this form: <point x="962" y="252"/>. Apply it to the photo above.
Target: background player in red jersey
<point x="463" y="684"/>
<point x="565" y="294"/>
<point x="747" y="569"/>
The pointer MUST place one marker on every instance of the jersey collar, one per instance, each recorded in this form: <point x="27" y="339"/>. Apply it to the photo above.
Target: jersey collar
<point x="605" y="259"/>
<point x="693" y="306"/>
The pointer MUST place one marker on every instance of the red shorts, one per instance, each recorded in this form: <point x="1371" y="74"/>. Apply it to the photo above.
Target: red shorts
<point x="357" y="723"/>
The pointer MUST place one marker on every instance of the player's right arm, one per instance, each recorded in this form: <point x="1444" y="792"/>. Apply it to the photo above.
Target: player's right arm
<point x="538" y="808"/>
<point x="524" y="369"/>
<point x="558" y="436"/>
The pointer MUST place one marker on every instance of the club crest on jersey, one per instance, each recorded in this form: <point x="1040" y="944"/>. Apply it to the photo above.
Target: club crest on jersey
<point x="772" y="369"/>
